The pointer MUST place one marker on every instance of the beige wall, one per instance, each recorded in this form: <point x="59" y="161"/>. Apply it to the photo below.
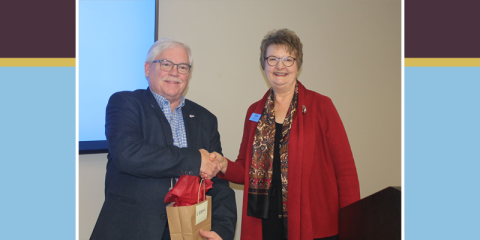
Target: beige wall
<point x="352" y="53"/>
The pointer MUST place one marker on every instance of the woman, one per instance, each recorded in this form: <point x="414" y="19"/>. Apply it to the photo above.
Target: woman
<point x="313" y="173"/>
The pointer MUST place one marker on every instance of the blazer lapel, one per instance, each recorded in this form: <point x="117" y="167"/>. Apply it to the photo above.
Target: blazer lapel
<point x="191" y="125"/>
<point x="158" y="111"/>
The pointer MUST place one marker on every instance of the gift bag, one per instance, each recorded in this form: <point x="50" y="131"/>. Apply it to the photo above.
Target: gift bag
<point x="185" y="221"/>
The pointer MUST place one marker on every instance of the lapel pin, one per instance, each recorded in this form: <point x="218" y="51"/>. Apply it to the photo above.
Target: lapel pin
<point x="304" y="109"/>
<point x="192" y="115"/>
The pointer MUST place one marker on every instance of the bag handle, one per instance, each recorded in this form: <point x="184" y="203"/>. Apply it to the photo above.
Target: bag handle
<point x="204" y="194"/>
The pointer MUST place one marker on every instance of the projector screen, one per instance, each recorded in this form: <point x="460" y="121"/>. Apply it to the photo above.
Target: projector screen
<point x="114" y="37"/>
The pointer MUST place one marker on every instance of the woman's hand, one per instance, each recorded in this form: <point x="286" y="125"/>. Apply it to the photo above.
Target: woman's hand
<point x="221" y="160"/>
<point x="210" y="235"/>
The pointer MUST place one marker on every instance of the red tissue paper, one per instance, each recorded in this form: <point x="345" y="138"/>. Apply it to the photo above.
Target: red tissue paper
<point x="185" y="192"/>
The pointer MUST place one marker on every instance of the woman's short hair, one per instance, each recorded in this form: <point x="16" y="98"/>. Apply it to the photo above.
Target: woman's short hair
<point x="164" y="44"/>
<point x="284" y="37"/>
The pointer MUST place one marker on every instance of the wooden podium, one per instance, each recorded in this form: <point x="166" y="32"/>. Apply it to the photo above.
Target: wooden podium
<point x="376" y="217"/>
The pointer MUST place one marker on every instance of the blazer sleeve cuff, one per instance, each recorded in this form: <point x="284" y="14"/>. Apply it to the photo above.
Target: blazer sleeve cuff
<point x="234" y="173"/>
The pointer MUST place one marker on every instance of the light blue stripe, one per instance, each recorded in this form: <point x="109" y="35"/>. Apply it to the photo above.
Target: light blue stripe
<point x="442" y="160"/>
<point x="37" y="143"/>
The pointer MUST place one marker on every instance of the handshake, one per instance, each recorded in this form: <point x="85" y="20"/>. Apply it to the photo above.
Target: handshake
<point x="212" y="163"/>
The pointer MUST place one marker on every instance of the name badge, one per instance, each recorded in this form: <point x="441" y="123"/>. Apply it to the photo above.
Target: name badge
<point x="255" y="117"/>
<point x="202" y="212"/>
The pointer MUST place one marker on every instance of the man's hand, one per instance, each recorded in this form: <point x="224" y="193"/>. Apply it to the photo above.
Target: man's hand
<point x="214" y="156"/>
<point x="208" y="169"/>
<point x="210" y="235"/>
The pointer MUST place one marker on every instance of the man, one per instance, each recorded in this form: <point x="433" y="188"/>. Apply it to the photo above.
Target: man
<point x="154" y="136"/>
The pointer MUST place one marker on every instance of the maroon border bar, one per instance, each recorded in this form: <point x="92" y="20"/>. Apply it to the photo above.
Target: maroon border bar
<point x="442" y="28"/>
<point x="37" y="29"/>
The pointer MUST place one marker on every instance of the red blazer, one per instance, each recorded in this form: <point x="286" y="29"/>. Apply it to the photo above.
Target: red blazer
<point x="322" y="177"/>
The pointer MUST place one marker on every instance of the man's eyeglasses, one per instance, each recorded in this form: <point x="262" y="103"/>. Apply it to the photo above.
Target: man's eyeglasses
<point x="166" y="65"/>
<point x="287" y="61"/>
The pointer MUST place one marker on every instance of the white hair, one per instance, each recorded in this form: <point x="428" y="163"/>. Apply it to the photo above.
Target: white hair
<point x="164" y="44"/>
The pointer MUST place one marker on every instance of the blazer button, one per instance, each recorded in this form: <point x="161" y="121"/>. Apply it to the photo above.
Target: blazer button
<point x="190" y="172"/>
<point x="163" y="216"/>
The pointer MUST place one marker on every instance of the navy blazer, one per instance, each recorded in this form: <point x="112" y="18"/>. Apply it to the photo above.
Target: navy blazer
<point x="142" y="161"/>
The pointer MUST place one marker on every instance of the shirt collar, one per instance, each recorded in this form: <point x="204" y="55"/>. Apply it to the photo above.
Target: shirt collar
<point x="163" y="102"/>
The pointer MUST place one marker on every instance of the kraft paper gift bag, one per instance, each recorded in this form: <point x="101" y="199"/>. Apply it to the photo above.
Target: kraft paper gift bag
<point x="186" y="221"/>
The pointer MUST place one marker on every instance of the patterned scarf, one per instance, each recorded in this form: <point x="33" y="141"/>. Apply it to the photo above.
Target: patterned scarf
<point x="261" y="169"/>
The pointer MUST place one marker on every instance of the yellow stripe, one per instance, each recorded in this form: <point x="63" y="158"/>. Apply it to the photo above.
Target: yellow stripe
<point x="442" y="62"/>
<point x="37" y="62"/>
